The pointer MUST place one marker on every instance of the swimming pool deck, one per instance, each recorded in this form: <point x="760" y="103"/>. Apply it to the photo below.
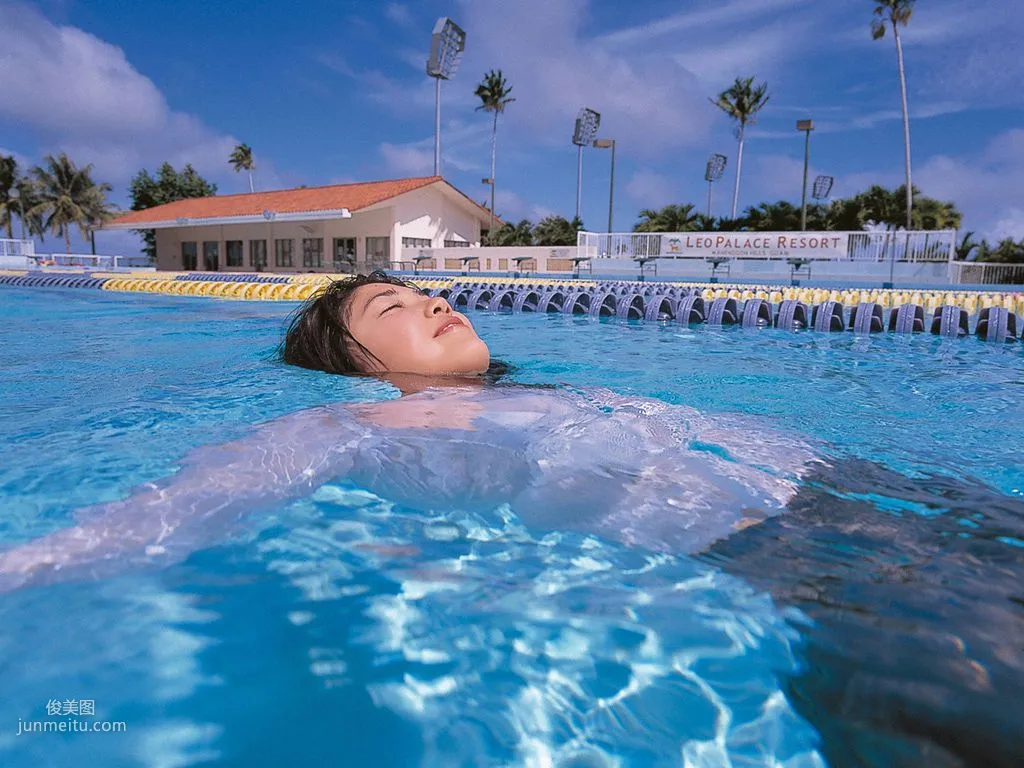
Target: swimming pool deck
<point x="276" y="287"/>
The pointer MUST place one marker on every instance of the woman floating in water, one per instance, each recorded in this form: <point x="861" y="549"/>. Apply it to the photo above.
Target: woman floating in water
<point x="635" y="470"/>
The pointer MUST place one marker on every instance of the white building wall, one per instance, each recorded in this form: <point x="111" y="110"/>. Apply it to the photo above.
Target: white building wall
<point x="374" y="223"/>
<point x="431" y="213"/>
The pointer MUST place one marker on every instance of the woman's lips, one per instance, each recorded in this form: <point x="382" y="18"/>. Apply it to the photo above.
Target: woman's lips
<point x="448" y="325"/>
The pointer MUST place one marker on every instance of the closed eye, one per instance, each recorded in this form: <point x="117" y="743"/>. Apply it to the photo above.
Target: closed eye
<point x="388" y="309"/>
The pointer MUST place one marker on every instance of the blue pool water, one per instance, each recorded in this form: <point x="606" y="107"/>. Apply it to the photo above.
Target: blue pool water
<point x="877" y="622"/>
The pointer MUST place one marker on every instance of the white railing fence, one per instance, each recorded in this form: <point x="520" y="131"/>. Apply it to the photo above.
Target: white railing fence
<point x="89" y="261"/>
<point x="983" y="273"/>
<point x="17" y="248"/>
<point x="21" y="254"/>
<point x="914" y="247"/>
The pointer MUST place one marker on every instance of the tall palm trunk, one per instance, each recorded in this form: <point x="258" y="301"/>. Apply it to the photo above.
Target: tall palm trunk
<point x="739" y="169"/>
<point x="251" y="188"/>
<point x="10" y="224"/>
<point x="67" y="239"/>
<point x="906" y="122"/>
<point x="494" y="152"/>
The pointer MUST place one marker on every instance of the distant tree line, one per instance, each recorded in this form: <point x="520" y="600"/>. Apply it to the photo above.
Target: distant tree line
<point x="52" y="198"/>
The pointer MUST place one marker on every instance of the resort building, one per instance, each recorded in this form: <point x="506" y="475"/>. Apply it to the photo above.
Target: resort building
<point x="338" y="228"/>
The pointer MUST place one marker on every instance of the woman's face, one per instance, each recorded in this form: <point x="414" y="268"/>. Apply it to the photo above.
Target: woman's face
<point x="409" y="332"/>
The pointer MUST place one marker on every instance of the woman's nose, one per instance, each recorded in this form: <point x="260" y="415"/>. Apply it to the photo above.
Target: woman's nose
<point x="438" y="306"/>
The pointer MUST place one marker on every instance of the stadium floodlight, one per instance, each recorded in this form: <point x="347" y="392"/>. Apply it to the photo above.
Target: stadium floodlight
<point x="822" y="187"/>
<point x="713" y="172"/>
<point x="447" y="42"/>
<point x="806" y="126"/>
<point x="587" y="123"/>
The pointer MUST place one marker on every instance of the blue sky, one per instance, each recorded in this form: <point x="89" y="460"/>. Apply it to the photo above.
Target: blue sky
<point x="335" y="91"/>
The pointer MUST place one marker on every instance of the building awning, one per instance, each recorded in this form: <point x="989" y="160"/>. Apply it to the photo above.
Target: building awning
<point x="266" y="217"/>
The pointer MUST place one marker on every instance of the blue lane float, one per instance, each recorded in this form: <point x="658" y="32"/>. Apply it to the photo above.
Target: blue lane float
<point x="653" y="303"/>
<point x="908" y="318"/>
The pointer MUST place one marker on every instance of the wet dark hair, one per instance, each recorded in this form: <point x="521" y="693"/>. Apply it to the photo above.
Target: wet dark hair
<point x="318" y="336"/>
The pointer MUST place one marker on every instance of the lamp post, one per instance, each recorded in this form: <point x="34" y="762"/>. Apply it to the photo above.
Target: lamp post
<point x="609" y="144"/>
<point x="447" y="43"/>
<point x="713" y="172"/>
<point x="587" y="122"/>
<point x="806" y="126"/>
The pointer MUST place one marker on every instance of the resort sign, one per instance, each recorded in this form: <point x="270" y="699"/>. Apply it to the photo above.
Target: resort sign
<point x="755" y="245"/>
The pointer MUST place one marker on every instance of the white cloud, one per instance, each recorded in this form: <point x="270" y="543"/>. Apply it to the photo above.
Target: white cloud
<point x="1011" y="224"/>
<point x="81" y="95"/>
<point x="408" y="159"/>
<point x="718" y="62"/>
<point x="513" y="208"/>
<point x="417" y="158"/>
<point x="648" y="101"/>
<point x="985" y="186"/>
<point x="336" y="63"/>
<point x="399" y="14"/>
<point x="648" y="188"/>
<point x="714" y="16"/>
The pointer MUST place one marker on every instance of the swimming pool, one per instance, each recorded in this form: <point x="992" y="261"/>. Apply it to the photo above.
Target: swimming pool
<point x="877" y="623"/>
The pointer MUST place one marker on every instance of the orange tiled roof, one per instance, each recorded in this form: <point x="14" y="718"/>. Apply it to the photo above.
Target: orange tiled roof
<point x="351" y="196"/>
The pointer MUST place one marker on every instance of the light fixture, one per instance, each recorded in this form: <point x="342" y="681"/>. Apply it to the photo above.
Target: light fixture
<point x="713" y="172"/>
<point x="587" y="123"/>
<point x="447" y="42"/>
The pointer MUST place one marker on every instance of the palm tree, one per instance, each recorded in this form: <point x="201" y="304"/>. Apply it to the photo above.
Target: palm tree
<point x="773" y="217"/>
<point x="897" y="13"/>
<point x="742" y="101"/>
<point x="8" y="181"/>
<point x="493" y="93"/>
<point x="933" y="214"/>
<point x="671" y="218"/>
<point x="966" y="246"/>
<point x="67" y="195"/>
<point x="27" y="201"/>
<point x="241" y="160"/>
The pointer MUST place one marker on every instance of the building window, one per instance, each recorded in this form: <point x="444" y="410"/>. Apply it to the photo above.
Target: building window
<point x="189" y="256"/>
<point x="312" y="251"/>
<point x="211" y="255"/>
<point x="456" y="244"/>
<point x="258" y="254"/>
<point x="378" y="252"/>
<point x="344" y="253"/>
<point x="233" y="253"/>
<point x="415" y="242"/>
<point x="283" y="253"/>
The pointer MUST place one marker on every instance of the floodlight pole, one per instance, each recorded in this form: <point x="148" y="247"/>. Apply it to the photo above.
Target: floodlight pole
<point x="611" y="190"/>
<point x="437" y="126"/>
<point x="806" y="126"/>
<point x="609" y="144"/>
<point x="447" y="42"/>
<point x="711" y="186"/>
<point x="579" y="178"/>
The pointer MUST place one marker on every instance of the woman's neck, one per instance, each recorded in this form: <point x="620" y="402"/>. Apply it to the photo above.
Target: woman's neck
<point x="412" y="383"/>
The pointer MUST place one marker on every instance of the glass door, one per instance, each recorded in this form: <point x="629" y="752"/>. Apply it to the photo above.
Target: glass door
<point x="211" y="255"/>
<point x="344" y="254"/>
<point x="378" y="252"/>
<point x="189" y="256"/>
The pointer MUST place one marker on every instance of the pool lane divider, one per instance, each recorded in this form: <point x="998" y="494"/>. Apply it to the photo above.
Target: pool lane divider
<point x="996" y="313"/>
